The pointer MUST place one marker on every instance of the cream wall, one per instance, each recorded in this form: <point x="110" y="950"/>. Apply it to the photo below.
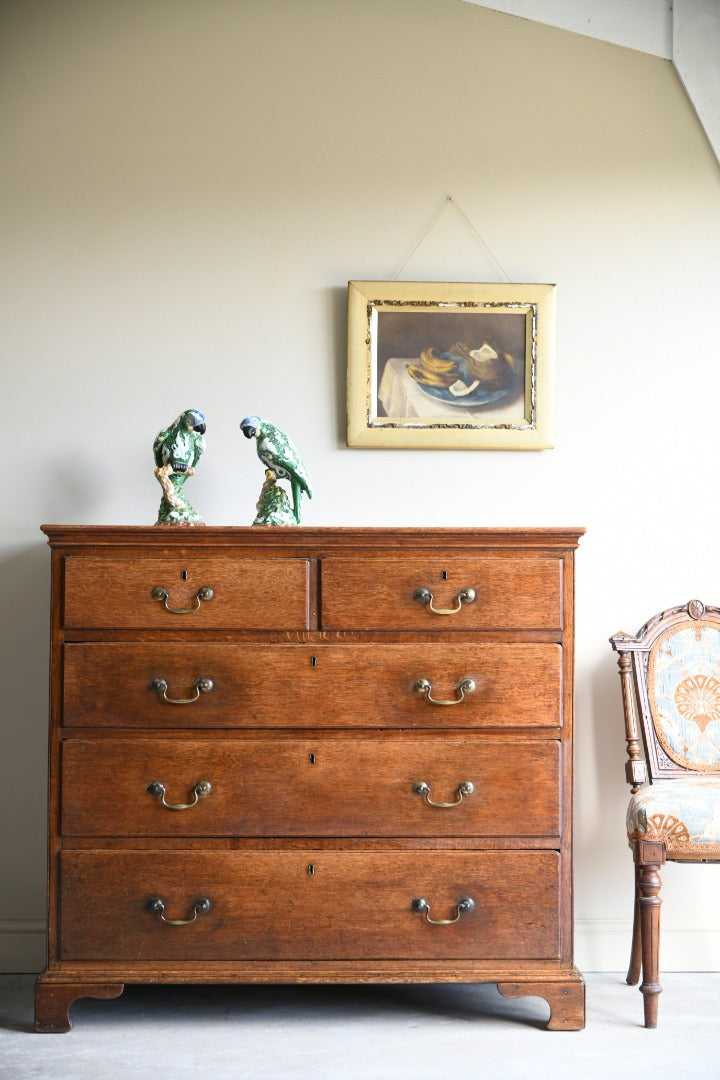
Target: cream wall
<point x="186" y="189"/>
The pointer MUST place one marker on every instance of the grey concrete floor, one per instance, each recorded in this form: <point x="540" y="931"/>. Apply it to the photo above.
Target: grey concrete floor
<point x="373" y="1033"/>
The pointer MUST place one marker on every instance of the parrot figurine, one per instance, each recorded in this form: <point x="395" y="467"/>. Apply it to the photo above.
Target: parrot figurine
<point x="177" y="450"/>
<point x="278" y="454"/>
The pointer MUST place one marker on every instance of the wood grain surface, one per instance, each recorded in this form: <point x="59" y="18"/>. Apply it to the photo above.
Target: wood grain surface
<point x="312" y="685"/>
<point x="314" y="786"/>
<point x="266" y="905"/>
<point x="312" y="843"/>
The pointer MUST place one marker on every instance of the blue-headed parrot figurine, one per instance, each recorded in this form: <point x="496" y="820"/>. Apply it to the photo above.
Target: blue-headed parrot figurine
<point x="177" y="450"/>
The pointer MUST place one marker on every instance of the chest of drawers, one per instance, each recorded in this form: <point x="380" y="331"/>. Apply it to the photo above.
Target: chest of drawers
<point x="310" y="755"/>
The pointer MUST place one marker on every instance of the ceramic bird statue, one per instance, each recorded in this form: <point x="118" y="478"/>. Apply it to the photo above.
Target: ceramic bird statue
<point x="279" y="455"/>
<point x="177" y="450"/>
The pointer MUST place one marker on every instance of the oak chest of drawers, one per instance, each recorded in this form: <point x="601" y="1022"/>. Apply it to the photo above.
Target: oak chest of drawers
<point x="310" y="755"/>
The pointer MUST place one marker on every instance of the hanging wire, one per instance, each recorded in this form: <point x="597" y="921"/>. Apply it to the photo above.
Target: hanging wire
<point x="449" y="201"/>
<point x="428" y="228"/>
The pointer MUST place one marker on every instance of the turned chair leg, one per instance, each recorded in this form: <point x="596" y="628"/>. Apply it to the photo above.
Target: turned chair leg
<point x="633" y="975"/>
<point x="649" y="857"/>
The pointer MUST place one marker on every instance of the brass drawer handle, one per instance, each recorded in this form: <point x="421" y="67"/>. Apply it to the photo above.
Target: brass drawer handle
<point x="464" y="789"/>
<point x="466" y="686"/>
<point x="424" y="596"/>
<point x="202" y="686"/>
<point x="161" y="595"/>
<point x="201" y="790"/>
<point x="200" y="907"/>
<point x="463" y="906"/>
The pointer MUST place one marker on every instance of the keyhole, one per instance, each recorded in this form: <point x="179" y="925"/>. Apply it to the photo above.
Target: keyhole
<point x="313" y="661"/>
<point x="184" y="575"/>
<point x="312" y="759"/>
<point x="443" y="575"/>
<point x="311" y="869"/>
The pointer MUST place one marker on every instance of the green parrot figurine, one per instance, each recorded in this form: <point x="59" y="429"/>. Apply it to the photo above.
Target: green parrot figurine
<point x="177" y="450"/>
<point x="278" y="454"/>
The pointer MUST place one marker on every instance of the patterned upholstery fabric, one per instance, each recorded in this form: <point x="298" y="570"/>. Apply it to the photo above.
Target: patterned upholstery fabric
<point x="684" y="694"/>
<point x="684" y="813"/>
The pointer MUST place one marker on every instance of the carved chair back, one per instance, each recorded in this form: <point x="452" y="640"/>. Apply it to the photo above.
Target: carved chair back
<point x="671" y="689"/>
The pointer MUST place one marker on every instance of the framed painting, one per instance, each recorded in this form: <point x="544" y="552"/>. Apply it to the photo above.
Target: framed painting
<point x="445" y="366"/>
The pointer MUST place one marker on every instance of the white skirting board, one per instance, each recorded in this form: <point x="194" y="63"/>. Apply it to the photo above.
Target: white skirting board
<point x="604" y="945"/>
<point x="599" y="946"/>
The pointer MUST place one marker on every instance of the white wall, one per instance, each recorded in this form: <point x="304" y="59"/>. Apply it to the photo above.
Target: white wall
<point x="186" y="190"/>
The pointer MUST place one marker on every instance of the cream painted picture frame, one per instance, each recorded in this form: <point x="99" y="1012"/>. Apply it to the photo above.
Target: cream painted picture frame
<point x="450" y="366"/>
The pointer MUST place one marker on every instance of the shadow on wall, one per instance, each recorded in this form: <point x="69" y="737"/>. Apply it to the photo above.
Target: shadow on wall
<point x="25" y="588"/>
<point x="337" y="305"/>
<point x="602" y="794"/>
<point x="71" y="488"/>
<point x="609" y="732"/>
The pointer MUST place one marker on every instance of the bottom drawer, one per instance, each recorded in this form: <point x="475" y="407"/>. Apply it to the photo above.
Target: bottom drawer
<point x="272" y="905"/>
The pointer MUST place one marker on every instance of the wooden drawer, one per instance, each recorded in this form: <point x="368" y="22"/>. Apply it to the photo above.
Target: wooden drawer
<point x="266" y="594"/>
<point x="266" y="905"/>
<point x="379" y="593"/>
<point x="319" y="686"/>
<point x="310" y="787"/>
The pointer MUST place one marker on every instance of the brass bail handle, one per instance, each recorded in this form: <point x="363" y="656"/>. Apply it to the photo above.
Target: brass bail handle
<point x="465" y="596"/>
<point x="463" y="906"/>
<point x="161" y="595"/>
<point x="202" y="686"/>
<point x="202" y="906"/>
<point x="201" y="790"/>
<point x="464" y="789"/>
<point x="465" y="686"/>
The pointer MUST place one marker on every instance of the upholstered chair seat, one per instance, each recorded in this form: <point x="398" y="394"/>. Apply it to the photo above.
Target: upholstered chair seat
<point x="684" y="814"/>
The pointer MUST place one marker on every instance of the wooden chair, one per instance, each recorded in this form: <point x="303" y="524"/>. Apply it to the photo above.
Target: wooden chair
<point x="670" y="676"/>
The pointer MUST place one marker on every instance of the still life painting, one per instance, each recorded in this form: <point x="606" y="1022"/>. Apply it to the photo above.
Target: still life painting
<point x="450" y="366"/>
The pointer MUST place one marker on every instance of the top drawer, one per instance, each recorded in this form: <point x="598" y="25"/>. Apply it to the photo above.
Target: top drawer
<point x="429" y="593"/>
<point x="166" y="592"/>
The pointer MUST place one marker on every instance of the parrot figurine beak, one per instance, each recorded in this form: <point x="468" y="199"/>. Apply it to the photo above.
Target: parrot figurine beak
<point x="249" y="427"/>
<point x="195" y="421"/>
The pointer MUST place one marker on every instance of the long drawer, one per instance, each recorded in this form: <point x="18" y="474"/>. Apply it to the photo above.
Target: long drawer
<point x="308" y="905"/>
<point x="319" y="686"/>
<point x="508" y="593"/>
<point x="186" y="592"/>
<point x="310" y="787"/>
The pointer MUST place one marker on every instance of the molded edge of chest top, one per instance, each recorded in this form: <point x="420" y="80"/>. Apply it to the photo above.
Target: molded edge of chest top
<point x="307" y="540"/>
